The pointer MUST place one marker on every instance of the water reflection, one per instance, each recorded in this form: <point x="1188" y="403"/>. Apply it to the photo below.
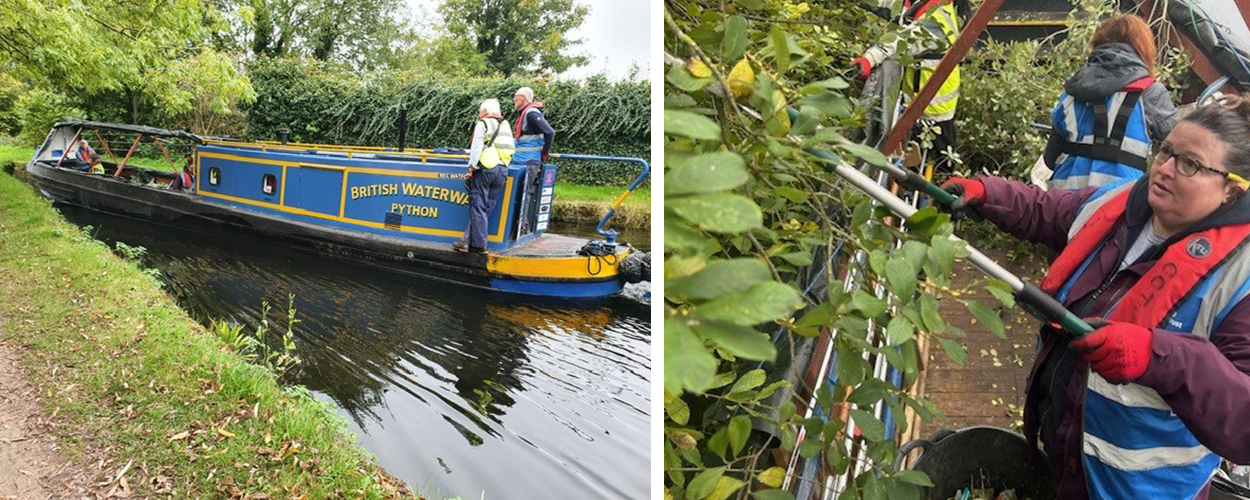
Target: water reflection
<point x="456" y="390"/>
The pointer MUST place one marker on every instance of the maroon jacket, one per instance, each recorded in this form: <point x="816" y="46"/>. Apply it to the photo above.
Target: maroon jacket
<point x="1207" y="383"/>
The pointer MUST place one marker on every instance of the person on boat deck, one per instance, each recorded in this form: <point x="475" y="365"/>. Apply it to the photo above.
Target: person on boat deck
<point x="1111" y="111"/>
<point x="85" y="151"/>
<point x="93" y="164"/>
<point x="532" y="132"/>
<point x="490" y="150"/>
<point x="1145" y="406"/>
<point x="184" y="180"/>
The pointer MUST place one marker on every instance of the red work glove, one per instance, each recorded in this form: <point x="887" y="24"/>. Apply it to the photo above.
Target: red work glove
<point x="971" y="193"/>
<point x="545" y="157"/>
<point x="862" y="68"/>
<point x="1118" y="351"/>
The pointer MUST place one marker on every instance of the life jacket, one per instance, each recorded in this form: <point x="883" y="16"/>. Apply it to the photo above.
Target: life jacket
<point x="529" y="147"/>
<point x="943" y="105"/>
<point x="497" y="148"/>
<point x="1102" y="141"/>
<point x="186" y="180"/>
<point x="84" y="153"/>
<point x="1133" y="445"/>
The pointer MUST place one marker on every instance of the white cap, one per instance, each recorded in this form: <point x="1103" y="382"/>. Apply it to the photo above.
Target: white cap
<point x="527" y="92"/>
<point x="490" y="106"/>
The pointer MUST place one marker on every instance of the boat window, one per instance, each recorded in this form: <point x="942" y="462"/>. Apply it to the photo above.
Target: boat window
<point x="214" y="176"/>
<point x="270" y="184"/>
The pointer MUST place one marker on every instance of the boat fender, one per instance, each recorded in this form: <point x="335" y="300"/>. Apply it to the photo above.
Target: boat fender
<point x="636" y="267"/>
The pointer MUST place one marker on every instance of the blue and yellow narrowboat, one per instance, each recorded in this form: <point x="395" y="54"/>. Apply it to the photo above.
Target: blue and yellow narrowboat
<point x="383" y="207"/>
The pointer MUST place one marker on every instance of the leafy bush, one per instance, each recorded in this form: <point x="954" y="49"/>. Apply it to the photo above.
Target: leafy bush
<point x="328" y="103"/>
<point x="10" y="92"/>
<point x="39" y="109"/>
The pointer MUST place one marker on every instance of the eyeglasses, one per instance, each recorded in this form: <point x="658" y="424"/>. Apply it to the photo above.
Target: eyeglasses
<point x="1187" y="166"/>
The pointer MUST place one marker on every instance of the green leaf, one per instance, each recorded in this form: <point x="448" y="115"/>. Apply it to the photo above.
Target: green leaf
<point x="863" y="152"/>
<point x="851" y="367"/>
<point x="719" y="442"/>
<point x="872" y="428"/>
<point x="900" y="330"/>
<point x="914" y="477"/>
<point x="741" y="341"/>
<point x="749" y="380"/>
<point x="677" y="409"/>
<point x="681" y="237"/>
<point x="830" y="104"/>
<point x="902" y="278"/>
<point x="799" y="258"/>
<point x="683" y="80"/>
<point x="773" y="495"/>
<point x="734" y="42"/>
<point x="792" y="194"/>
<point x="719" y="213"/>
<point x="1001" y="291"/>
<point x="786" y="411"/>
<point x="898" y="490"/>
<point x="988" y="317"/>
<point x="688" y="365"/>
<point x="695" y="126"/>
<point x="874" y="490"/>
<point x="781" y="51"/>
<point x="720" y="278"/>
<point x="703" y="483"/>
<point x="739" y="431"/>
<point x="808" y="119"/>
<point x="954" y="349"/>
<point x="725" y="486"/>
<point x="706" y="173"/>
<point x="762" y="302"/>
<point x="933" y="321"/>
<point x="835" y="83"/>
<point x="869" y="305"/>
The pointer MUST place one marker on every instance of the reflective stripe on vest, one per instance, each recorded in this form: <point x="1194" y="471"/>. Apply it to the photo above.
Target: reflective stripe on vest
<point x="497" y="146"/>
<point x="1101" y="142"/>
<point x="1134" y="446"/>
<point x="943" y="105"/>
<point x="529" y="142"/>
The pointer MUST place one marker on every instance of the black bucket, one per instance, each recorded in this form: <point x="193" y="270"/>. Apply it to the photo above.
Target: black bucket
<point x="981" y="457"/>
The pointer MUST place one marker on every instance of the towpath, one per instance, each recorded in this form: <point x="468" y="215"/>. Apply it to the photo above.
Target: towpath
<point x="31" y="464"/>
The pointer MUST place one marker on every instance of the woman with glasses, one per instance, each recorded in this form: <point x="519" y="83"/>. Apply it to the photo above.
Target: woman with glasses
<point x="1147" y="404"/>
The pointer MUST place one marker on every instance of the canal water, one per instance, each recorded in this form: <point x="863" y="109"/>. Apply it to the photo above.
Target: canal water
<point x="458" y="391"/>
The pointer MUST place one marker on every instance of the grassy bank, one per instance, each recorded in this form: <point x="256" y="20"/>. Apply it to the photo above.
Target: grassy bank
<point x="578" y="203"/>
<point x="129" y="381"/>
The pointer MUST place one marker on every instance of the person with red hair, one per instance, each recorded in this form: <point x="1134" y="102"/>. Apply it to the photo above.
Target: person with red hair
<point x="1111" y="111"/>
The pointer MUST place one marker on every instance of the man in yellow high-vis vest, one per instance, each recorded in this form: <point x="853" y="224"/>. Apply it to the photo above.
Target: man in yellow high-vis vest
<point x="940" y="20"/>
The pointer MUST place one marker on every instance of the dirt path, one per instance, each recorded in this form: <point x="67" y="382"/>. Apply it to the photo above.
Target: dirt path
<point x="31" y="467"/>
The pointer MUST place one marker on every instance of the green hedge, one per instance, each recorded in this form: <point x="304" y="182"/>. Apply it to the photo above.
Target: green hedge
<point x="329" y="103"/>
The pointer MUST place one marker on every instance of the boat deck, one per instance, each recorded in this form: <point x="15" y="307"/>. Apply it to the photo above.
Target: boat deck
<point x="547" y="245"/>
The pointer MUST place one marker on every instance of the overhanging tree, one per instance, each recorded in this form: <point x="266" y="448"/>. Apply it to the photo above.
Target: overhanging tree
<point x="519" y="36"/>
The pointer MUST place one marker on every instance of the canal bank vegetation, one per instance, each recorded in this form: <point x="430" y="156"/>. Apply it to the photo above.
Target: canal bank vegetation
<point x="150" y="399"/>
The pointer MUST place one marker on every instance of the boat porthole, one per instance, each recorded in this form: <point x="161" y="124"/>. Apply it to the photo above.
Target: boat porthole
<point x="214" y="176"/>
<point x="269" y="184"/>
<point x="410" y="255"/>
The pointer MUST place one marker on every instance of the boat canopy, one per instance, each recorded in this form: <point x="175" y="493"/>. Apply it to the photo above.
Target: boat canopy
<point x="139" y="129"/>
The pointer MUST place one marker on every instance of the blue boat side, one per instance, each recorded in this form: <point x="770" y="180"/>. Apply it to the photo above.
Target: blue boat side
<point x="422" y="198"/>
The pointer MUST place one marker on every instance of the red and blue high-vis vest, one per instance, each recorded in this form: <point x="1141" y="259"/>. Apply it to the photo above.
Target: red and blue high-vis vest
<point x="1103" y="141"/>
<point x="1134" y="446"/>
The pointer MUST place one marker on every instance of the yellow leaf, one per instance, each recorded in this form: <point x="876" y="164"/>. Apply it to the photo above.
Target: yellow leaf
<point x="225" y="432"/>
<point x="180" y="435"/>
<point x="725" y="486"/>
<point x="741" y="79"/>
<point x="698" y="68"/>
<point x="773" y="476"/>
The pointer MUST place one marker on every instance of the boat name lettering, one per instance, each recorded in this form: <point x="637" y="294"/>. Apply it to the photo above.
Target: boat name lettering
<point x="411" y="190"/>
<point x="415" y="210"/>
